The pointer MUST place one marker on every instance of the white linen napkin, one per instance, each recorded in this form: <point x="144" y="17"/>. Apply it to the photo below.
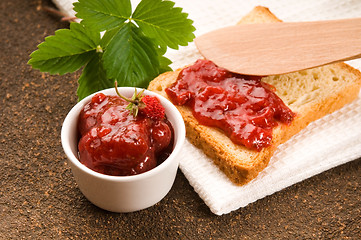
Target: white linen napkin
<point x="324" y="144"/>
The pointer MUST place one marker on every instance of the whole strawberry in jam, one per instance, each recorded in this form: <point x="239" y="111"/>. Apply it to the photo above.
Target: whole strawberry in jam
<point x="121" y="136"/>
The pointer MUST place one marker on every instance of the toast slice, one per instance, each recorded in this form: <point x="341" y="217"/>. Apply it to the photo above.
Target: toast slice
<point x="311" y="94"/>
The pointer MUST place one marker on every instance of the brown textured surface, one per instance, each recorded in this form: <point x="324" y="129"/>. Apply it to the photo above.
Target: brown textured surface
<point x="39" y="198"/>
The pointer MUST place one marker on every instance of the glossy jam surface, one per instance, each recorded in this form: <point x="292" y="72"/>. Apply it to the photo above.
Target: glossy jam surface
<point x="244" y="107"/>
<point x="113" y="142"/>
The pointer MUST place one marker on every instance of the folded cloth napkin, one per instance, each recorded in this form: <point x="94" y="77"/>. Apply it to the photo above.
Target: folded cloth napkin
<point x="324" y="144"/>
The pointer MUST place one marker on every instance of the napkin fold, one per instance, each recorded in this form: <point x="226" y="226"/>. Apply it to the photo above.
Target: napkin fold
<point x="326" y="143"/>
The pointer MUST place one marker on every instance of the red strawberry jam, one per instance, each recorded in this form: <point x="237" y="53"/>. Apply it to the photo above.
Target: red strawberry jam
<point x="244" y="107"/>
<point x="114" y="142"/>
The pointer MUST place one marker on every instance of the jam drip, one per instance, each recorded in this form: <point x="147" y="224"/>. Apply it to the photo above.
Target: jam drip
<point x="114" y="142"/>
<point x="244" y="107"/>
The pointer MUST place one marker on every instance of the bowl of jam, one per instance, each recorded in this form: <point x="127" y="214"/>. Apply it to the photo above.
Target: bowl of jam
<point x="123" y="162"/>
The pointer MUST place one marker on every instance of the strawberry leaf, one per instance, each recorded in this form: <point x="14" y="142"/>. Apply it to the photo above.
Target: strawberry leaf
<point x="131" y="58"/>
<point x="163" y="61"/>
<point x="93" y="77"/>
<point x="103" y="15"/>
<point x="131" y="50"/>
<point x="108" y="35"/>
<point x="66" y="51"/>
<point x="164" y="23"/>
<point x="164" y="64"/>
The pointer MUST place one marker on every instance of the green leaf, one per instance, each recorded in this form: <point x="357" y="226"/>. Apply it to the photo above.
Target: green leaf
<point x="108" y="35"/>
<point x="131" y="50"/>
<point x="163" y="22"/>
<point x="93" y="77"/>
<point x="66" y="51"/>
<point x="164" y="64"/>
<point x="103" y="15"/>
<point x="131" y="58"/>
<point x="163" y="61"/>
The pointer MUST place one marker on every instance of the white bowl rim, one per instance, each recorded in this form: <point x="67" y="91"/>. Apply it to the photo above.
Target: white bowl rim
<point x="111" y="91"/>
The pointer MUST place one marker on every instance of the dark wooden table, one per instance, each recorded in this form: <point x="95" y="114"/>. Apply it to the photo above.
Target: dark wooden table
<point x="39" y="198"/>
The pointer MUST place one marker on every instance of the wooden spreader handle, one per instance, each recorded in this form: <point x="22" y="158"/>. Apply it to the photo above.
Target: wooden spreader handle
<point x="276" y="48"/>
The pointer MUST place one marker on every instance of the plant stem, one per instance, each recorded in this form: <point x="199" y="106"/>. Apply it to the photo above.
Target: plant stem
<point x="120" y="95"/>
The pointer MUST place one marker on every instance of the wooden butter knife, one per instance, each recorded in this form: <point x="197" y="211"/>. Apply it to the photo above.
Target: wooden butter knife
<point x="277" y="48"/>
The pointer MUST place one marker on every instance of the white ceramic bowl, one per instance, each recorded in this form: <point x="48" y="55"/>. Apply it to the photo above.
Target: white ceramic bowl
<point x="123" y="193"/>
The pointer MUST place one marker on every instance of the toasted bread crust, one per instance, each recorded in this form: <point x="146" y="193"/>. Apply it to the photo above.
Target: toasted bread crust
<point x="259" y="14"/>
<point x="241" y="164"/>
